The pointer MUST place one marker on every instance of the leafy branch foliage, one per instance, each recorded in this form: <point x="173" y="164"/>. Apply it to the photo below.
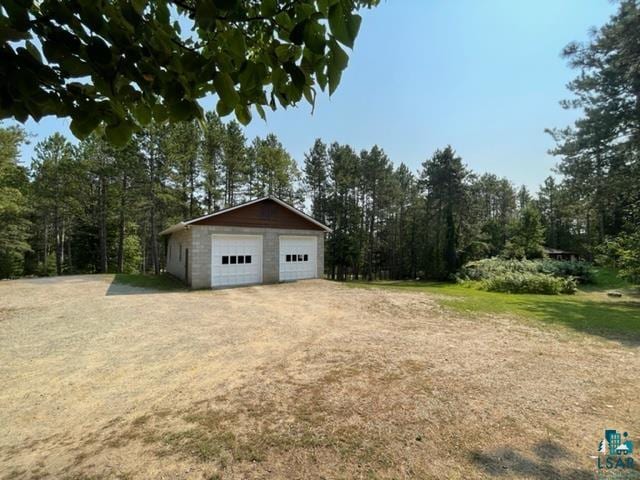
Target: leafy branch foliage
<point x="119" y="65"/>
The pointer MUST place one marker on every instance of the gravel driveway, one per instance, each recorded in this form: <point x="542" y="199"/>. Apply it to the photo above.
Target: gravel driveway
<point x="304" y="380"/>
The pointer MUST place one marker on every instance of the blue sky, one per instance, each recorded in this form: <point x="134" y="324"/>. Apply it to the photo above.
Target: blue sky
<point x="484" y="76"/>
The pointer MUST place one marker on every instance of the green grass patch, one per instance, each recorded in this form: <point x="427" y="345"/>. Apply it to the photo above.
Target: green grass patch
<point x="587" y="311"/>
<point x="162" y="282"/>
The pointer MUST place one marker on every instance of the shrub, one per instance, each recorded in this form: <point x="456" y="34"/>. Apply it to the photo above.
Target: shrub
<point x="569" y="285"/>
<point x="527" y="282"/>
<point x="580" y="271"/>
<point x="623" y="252"/>
<point x="491" y="267"/>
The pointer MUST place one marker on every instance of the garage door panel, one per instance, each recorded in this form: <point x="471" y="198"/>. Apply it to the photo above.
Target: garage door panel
<point x="298" y="257"/>
<point x="236" y="260"/>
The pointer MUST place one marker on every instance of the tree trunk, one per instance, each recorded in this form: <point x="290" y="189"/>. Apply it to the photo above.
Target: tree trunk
<point x="121" y="232"/>
<point x="57" y="235"/>
<point x="102" y="233"/>
<point x="46" y="247"/>
<point x="155" y="260"/>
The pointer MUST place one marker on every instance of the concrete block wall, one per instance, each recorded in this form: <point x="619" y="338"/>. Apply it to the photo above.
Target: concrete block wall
<point x="200" y="255"/>
<point x="175" y="262"/>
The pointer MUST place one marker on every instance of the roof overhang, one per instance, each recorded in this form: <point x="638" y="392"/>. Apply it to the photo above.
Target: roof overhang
<point x="185" y="224"/>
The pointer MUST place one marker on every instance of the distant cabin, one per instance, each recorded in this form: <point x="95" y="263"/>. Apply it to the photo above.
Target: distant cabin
<point x="557" y="254"/>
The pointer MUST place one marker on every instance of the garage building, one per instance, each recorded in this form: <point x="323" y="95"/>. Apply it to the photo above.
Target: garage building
<point x="261" y="241"/>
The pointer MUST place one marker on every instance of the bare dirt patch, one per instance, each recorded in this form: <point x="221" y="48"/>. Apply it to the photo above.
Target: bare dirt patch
<point x="304" y="380"/>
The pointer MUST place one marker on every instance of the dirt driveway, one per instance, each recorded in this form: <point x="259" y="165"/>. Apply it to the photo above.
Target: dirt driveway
<point x="304" y="380"/>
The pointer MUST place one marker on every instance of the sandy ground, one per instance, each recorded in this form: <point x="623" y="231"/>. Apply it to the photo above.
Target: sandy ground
<point x="304" y="380"/>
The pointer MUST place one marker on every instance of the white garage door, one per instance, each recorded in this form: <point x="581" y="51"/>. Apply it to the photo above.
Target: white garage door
<point x="236" y="259"/>
<point x="298" y="257"/>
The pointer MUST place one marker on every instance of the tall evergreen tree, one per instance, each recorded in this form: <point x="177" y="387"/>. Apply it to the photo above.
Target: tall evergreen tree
<point x="316" y="163"/>
<point x="527" y="235"/>
<point x="211" y="155"/>
<point x="376" y="175"/>
<point x="14" y="207"/>
<point x="444" y="182"/>
<point x="58" y="179"/>
<point x="234" y="164"/>
<point x="599" y="154"/>
<point x="182" y="151"/>
<point x="274" y="172"/>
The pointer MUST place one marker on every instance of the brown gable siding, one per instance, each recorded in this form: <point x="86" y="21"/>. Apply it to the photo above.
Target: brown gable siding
<point x="265" y="214"/>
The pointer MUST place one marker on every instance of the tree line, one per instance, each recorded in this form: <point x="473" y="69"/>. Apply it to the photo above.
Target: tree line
<point x="93" y="207"/>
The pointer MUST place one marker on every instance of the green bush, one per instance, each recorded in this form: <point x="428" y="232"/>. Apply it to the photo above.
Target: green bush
<point x="581" y="271"/>
<point x="527" y="282"/>
<point x="491" y="267"/>
<point x="622" y="252"/>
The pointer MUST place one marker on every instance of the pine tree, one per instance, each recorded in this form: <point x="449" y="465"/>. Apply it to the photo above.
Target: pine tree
<point x="527" y="235"/>
<point x="316" y="180"/>
<point x="234" y="163"/>
<point x="211" y="155"/>
<point x="58" y="181"/>
<point x="14" y="208"/>
<point x="444" y="181"/>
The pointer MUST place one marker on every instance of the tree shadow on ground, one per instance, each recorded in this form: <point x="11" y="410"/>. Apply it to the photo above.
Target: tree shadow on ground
<point x="618" y="321"/>
<point x="506" y="462"/>
<point x="126" y="284"/>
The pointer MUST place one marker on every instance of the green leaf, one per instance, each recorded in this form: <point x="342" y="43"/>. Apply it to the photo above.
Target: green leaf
<point x="222" y="109"/>
<point x="142" y="113"/>
<point x="225" y="88"/>
<point x="139" y="5"/>
<point x="243" y="114"/>
<point x="322" y="80"/>
<point x="337" y="62"/>
<point x="226" y="4"/>
<point x="323" y="7"/>
<point x="310" y="95"/>
<point x="250" y="77"/>
<point x="119" y="134"/>
<point x="344" y="25"/>
<point x="298" y="77"/>
<point x="284" y="20"/>
<point x="82" y="126"/>
<point x="162" y="12"/>
<point x="314" y="37"/>
<point x="98" y="51"/>
<point x="268" y="8"/>
<point x="236" y="43"/>
<point x="74" y="66"/>
<point x="205" y="13"/>
<point x="297" y="34"/>
<point x="181" y="111"/>
<point x="261" y="112"/>
<point x="283" y="52"/>
<point x="160" y="113"/>
<point x="338" y="56"/>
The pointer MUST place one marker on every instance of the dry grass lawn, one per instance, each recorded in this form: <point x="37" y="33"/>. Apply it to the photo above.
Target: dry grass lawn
<point x="304" y="380"/>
